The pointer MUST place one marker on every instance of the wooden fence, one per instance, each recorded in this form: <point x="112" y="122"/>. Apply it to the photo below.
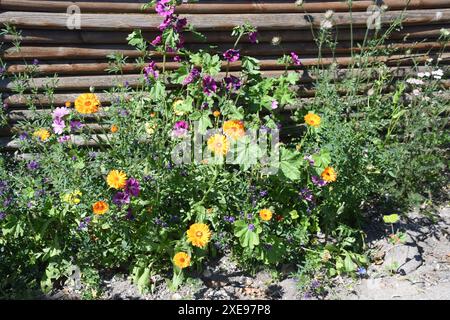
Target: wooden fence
<point x="78" y="56"/>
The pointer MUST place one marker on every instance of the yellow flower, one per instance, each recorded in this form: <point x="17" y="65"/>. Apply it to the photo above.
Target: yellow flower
<point x="150" y="128"/>
<point x="312" y="119"/>
<point x="218" y="144"/>
<point x="87" y="103"/>
<point x="182" y="260"/>
<point x="100" y="207"/>
<point x="199" y="234"/>
<point x="175" y="105"/>
<point x="116" y="179"/>
<point x="234" y="129"/>
<point x="42" y="134"/>
<point x="265" y="214"/>
<point x="329" y="175"/>
<point x="73" y="197"/>
<point x="216" y="114"/>
<point x="114" y="128"/>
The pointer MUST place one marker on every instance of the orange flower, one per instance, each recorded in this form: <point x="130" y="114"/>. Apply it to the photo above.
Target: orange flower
<point x="265" y="214"/>
<point x="87" y="103"/>
<point x="100" y="207"/>
<point x="68" y="104"/>
<point x="216" y="114"/>
<point x="329" y="175"/>
<point x="116" y="179"/>
<point x="152" y="114"/>
<point x="312" y="119"/>
<point x="234" y="129"/>
<point x="182" y="260"/>
<point x="199" y="234"/>
<point x="114" y="128"/>
<point x="42" y="134"/>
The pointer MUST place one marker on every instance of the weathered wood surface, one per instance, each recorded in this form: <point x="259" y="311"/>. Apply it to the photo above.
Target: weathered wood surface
<point x="202" y="22"/>
<point x="252" y="7"/>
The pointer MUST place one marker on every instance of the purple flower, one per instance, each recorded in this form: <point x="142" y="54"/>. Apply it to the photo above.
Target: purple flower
<point x="181" y="23"/>
<point x="251" y="227"/>
<point x="63" y="139"/>
<point x="252" y="36"/>
<point x="165" y="24"/>
<point x="76" y="125"/>
<point x="60" y="112"/>
<point x="361" y="271"/>
<point x="121" y="198"/>
<point x="263" y="193"/>
<point x="74" y="158"/>
<point x="123" y="112"/>
<point x="35" y="62"/>
<point x="307" y="194"/>
<point x="33" y="165"/>
<point x="92" y="154"/>
<point x="209" y="85"/>
<point x="164" y="9"/>
<point x="2" y="215"/>
<point x="296" y="59"/>
<point x="24" y="136"/>
<point x="129" y="215"/>
<point x="177" y="59"/>
<point x="318" y="181"/>
<point x="39" y="193"/>
<point x="84" y="223"/>
<point x="229" y="219"/>
<point x="180" y="129"/>
<point x="232" y="83"/>
<point x="309" y="159"/>
<point x="132" y="187"/>
<point x="156" y="41"/>
<point x="231" y="55"/>
<point x="7" y="202"/>
<point x="249" y="216"/>
<point x="5" y="105"/>
<point x="274" y="104"/>
<point x="3" y="187"/>
<point x="58" y="125"/>
<point x="191" y="76"/>
<point x="2" y="70"/>
<point x="150" y="70"/>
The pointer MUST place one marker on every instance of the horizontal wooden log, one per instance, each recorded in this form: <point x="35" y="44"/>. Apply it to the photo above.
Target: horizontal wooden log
<point x="252" y="7"/>
<point x="133" y="80"/>
<point x="119" y="37"/>
<point x="150" y="22"/>
<point x="95" y="67"/>
<point x="101" y="51"/>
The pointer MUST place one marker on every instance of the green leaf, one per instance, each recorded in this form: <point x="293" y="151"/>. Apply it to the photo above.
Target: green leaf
<point x="290" y="164"/>
<point x="247" y="238"/>
<point x="294" y="214"/>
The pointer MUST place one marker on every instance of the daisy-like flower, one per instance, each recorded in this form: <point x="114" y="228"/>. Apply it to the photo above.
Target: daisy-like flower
<point x="231" y="55"/>
<point x="218" y="144"/>
<point x="42" y="134"/>
<point x="199" y="235"/>
<point x="100" y="207"/>
<point x="312" y="120"/>
<point x="87" y="103"/>
<point x="114" y="128"/>
<point x="234" y="129"/>
<point x="329" y="175"/>
<point x="116" y="179"/>
<point x="265" y="214"/>
<point x="182" y="260"/>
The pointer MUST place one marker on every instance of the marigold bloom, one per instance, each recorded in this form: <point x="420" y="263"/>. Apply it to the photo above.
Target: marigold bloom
<point x="73" y="197"/>
<point x="87" y="103"/>
<point x="68" y="104"/>
<point x="312" y="119"/>
<point x="234" y="129"/>
<point x="199" y="234"/>
<point x="265" y="214"/>
<point x="218" y="144"/>
<point x="114" y="128"/>
<point x="182" y="260"/>
<point x="116" y="179"/>
<point x="329" y="175"/>
<point x="100" y="207"/>
<point x="216" y="114"/>
<point x="42" y="134"/>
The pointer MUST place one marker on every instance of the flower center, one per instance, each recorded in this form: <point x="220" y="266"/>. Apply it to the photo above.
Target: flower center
<point x="87" y="103"/>
<point x="199" y="234"/>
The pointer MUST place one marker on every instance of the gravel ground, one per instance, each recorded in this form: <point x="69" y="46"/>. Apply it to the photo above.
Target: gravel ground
<point x="418" y="269"/>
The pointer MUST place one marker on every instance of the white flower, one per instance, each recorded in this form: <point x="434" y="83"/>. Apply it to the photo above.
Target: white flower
<point x="427" y="74"/>
<point x="416" y="92"/>
<point x="445" y="32"/>
<point x="329" y="14"/>
<point x="414" y="81"/>
<point x="421" y="74"/>
<point x="276" y="41"/>
<point x="326" y="24"/>
<point x="299" y="3"/>
<point x="437" y="74"/>
<point x="430" y="60"/>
